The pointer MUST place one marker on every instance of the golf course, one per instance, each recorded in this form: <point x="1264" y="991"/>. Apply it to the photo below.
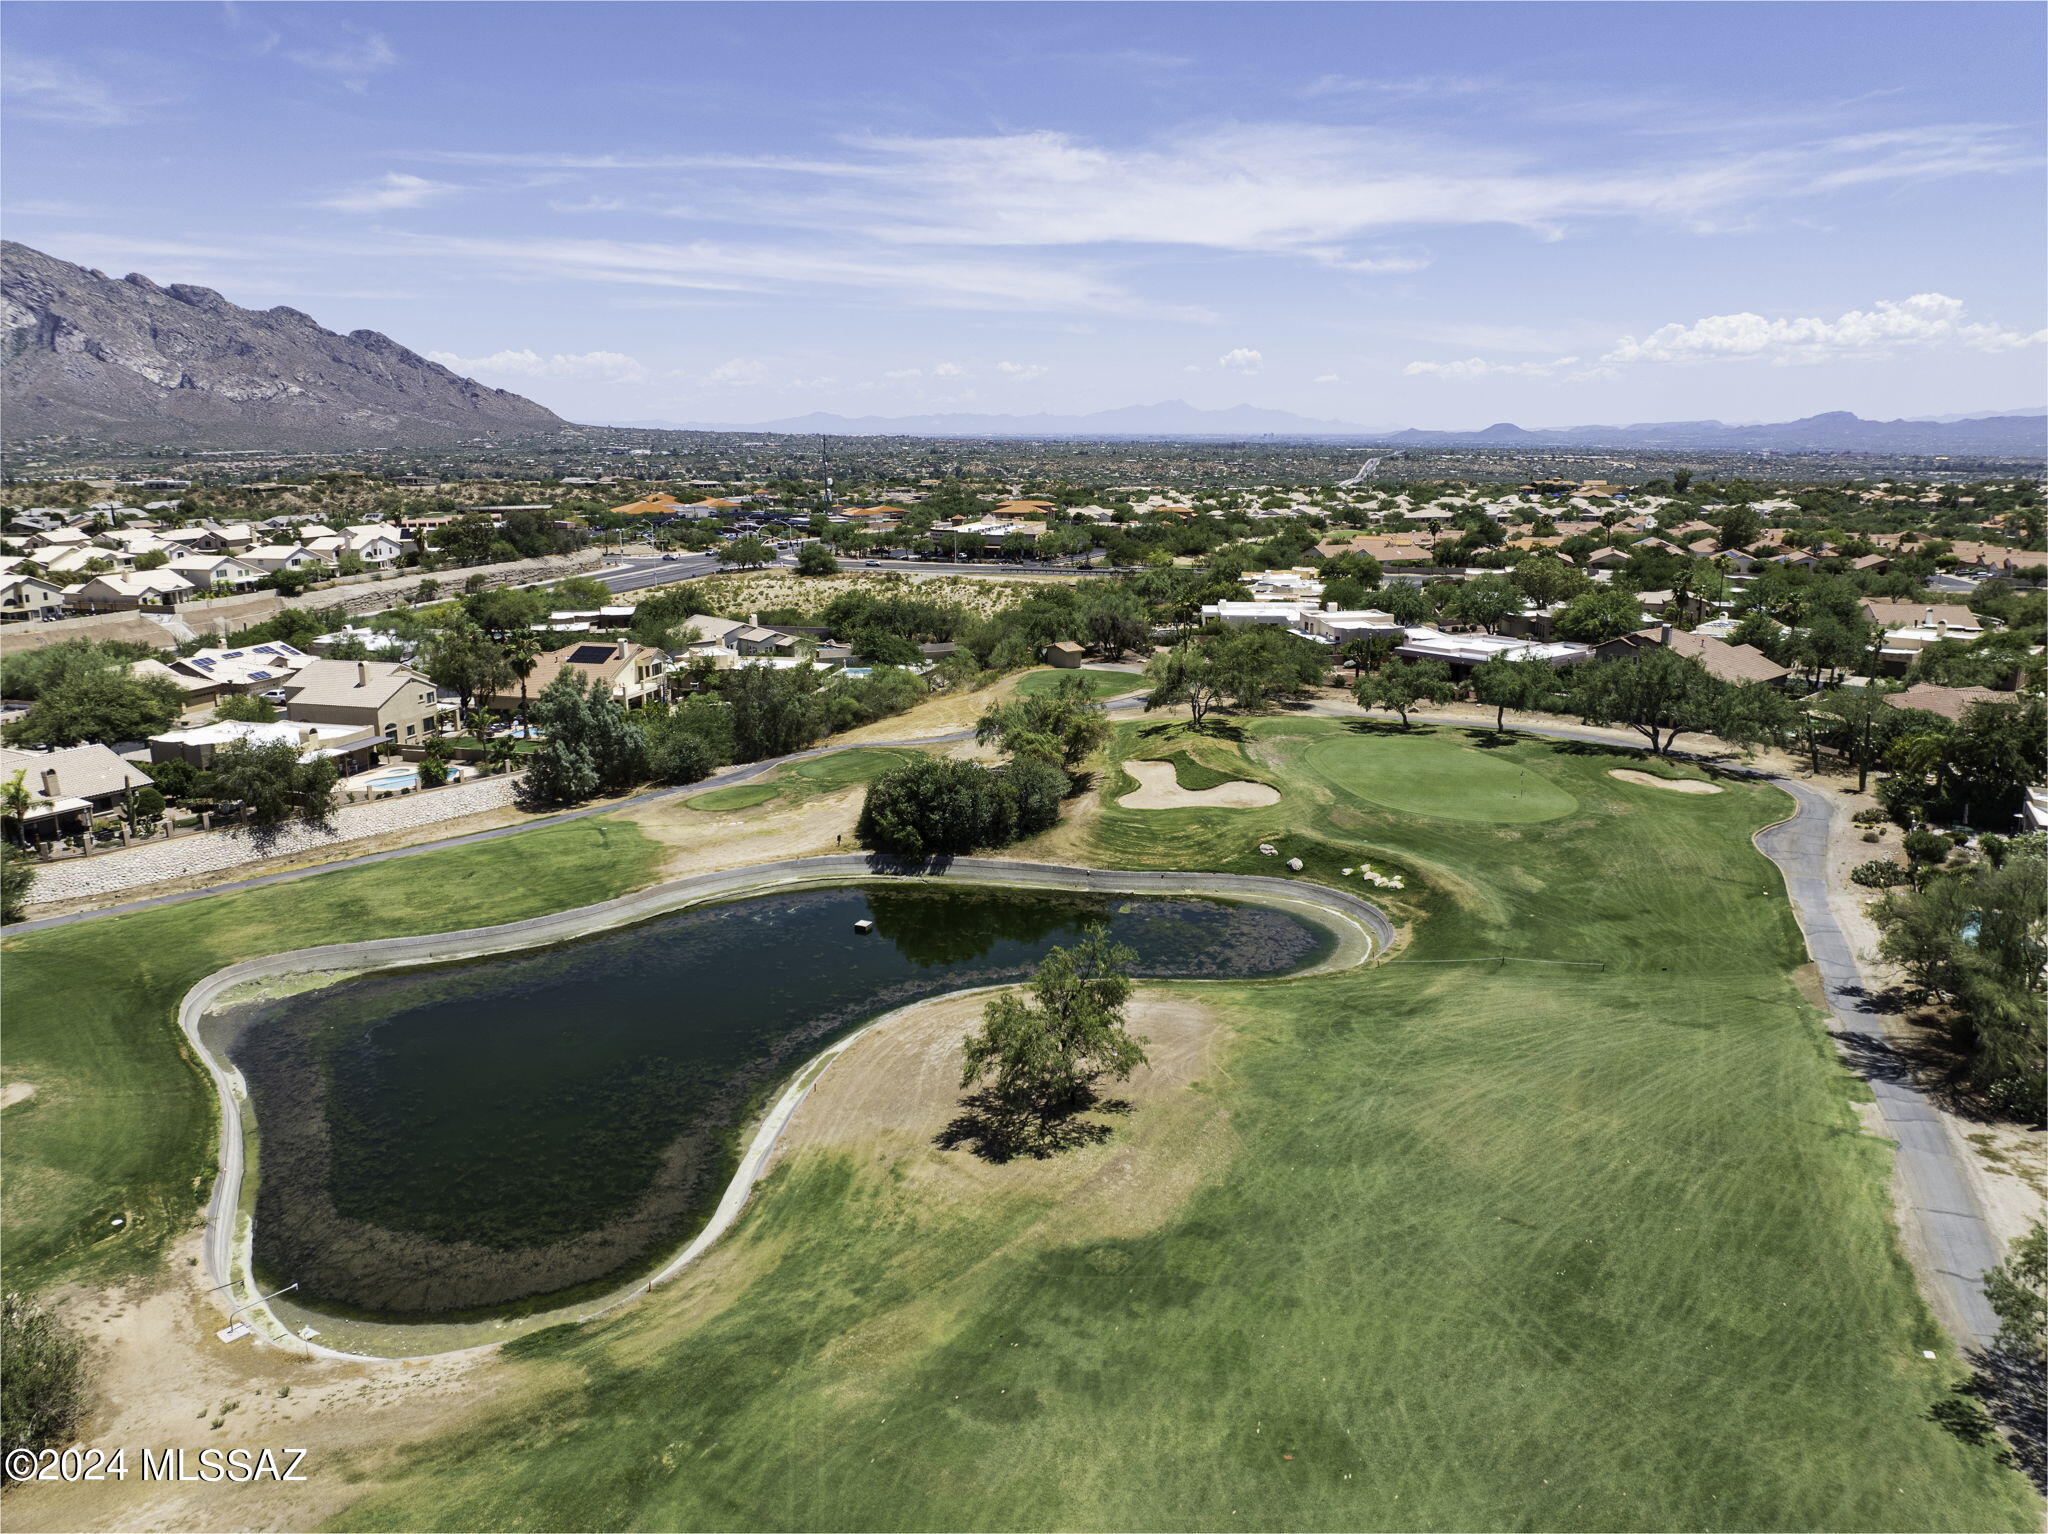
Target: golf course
<point x="1560" y="1216"/>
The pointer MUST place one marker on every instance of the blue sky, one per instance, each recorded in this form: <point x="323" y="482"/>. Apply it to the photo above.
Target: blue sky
<point x="1423" y="214"/>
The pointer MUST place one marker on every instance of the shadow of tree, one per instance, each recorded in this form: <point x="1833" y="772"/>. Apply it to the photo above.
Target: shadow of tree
<point x="998" y="1128"/>
<point x="1389" y="727"/>
<point x="2014" y="1393"/>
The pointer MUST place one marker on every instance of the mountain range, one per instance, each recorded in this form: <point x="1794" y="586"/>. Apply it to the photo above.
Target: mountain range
<point x="128" y="361"/>
<point x="2023" y="433"/>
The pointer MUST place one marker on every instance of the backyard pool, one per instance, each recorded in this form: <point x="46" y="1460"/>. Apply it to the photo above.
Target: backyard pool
<point x="393" y="782"/>
<point x="480" y="1136"/>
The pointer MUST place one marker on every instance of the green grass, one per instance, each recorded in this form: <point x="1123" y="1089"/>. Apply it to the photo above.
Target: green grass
<point x="1199" y="760"/>
<point x="741" y="796"/>
<point x="122" y="1123"/>
<point x="1414" y="773"/>
<point x="1497" y="1245"/>
<point x="1101" y="684"/>
<point x="806" y="779"/>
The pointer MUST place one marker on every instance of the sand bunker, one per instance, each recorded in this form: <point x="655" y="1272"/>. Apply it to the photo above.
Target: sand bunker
<point x="16" y="1092"/>
<point x="1159" y="789"/>
<point x="1651" y="780"/>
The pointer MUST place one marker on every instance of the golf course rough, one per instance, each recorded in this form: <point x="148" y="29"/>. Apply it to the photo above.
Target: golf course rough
<point x="1587" y="1244"/>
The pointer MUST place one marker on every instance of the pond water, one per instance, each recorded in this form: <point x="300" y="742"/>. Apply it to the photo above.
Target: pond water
<point x="474" y="1138"/>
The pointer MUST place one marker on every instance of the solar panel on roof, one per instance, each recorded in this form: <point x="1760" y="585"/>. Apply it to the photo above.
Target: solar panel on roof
<point x="591" y="654"/>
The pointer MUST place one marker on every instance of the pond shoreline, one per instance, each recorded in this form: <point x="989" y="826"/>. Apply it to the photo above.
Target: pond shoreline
<point x="1361" y="928"/>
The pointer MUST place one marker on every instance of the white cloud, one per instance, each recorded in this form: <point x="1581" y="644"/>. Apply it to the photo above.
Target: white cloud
<point x="739" y="373"/>
<point x="948" y="370"/>
<point x="394" y="189"/>
<point x="1925" y="321"/>
<point x="1328" y="378"/>
<point x="1479" y="367"/>
<point x="1922" y="321"/>
<point x="1020" y="371"/>
<point x="599" y="367"/>
<point x="904" y="373"/>
<point x="51" y="91"/>
<point x="351" y="60"/>
<point x="1241" y="359"/>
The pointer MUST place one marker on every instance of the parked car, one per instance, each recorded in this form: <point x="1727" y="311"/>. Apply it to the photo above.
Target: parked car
<point x="671" y="556"/>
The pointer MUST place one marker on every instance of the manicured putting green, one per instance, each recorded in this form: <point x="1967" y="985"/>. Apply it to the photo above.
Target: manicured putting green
<point x="741" y="796"/>
<point x="1432" y="775"/>
<point x="1101" y="684"/>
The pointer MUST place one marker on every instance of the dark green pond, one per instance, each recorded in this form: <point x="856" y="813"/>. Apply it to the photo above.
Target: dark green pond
<point x="473" y="1138"/>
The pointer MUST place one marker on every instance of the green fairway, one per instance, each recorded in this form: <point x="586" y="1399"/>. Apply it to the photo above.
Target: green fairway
<point x="1101" y="684"/>
<point x="1591" y="1243"/>
<point x="806" y="779"/>
<point x="1413" y="772"/>
<point x="741" y="796"/>
<point x="121" y="1123"/>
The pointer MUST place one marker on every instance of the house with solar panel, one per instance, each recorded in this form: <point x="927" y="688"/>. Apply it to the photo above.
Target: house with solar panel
<point x="634" y="674"/>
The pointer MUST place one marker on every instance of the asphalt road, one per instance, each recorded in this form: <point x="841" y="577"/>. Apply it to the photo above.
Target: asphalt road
<point x="637" y="574"/>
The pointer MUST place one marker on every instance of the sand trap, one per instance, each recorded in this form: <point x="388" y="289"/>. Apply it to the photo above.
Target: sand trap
<point x="16" y="1092"/>
<point x="1159" y="789"/>
<point x="1651" y="780"/>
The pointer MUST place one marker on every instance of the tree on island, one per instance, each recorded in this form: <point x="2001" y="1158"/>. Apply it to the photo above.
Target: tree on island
<point x="748" y="552"/>
<point x="1034" y="1064"/>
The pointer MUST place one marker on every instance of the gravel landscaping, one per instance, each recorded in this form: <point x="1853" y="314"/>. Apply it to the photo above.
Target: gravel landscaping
<point x="109" y="872"/>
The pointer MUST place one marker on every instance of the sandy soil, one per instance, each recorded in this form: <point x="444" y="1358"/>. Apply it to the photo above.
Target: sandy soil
<point x="701" y="842"/>
<point x="1651" y="780"/>
<point x="162" y="1380"/>
<point x="897" y="1086"/>
<point x="942" y="715"/>
<point x="1159" y="789"/>
<point x="16" y="1092"/>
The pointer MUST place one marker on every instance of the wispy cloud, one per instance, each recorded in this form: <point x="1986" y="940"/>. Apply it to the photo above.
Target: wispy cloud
<point x="352" y="59"/>
<point x="1325" y="193"/>
<point x="604" y="367"/>
<point x="1241" y="359"/>
<point x="392" y="190"/>
<point x="1479" y="367"/>
<point x="50" y="90"/>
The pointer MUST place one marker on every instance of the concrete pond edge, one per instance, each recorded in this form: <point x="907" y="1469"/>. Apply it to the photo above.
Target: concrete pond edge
<point x="229" y="1233"/>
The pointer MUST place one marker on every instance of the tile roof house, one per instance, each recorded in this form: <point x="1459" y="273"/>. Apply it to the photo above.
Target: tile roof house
<point x="1949" y="702"/>
<point x="26" y="596"/>
<point x="632" y="673"/>
<point x="245" y="668"/>
<point x="130" y="589"/>
<point x="395" y="701"/>
<point x="1726" y="662"/>
<point x="78" y="782"/>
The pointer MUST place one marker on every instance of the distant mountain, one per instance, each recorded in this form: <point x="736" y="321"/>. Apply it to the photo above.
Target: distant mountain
<point x="129" y="361"/>
<point x="1169" y="418"/>
<point x="1837" y="431"/>
<point x="2011" y="433"/>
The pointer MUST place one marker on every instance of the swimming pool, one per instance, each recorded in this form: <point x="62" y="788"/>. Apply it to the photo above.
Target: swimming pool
<point x="392" y="782"/>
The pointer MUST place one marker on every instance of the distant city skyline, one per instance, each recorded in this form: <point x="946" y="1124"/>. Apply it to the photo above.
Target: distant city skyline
<point x="1434" y="216"/>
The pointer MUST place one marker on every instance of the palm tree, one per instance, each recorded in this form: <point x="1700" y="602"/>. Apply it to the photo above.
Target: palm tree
<point x="18" y="801"/>
<point x="522" y="654"/>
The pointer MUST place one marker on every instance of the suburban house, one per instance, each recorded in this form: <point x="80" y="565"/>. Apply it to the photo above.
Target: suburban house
<point x="634" y="674"/>
<point x="270" y="558"/>
<point x="395" y="701"/>
<point x="1334" y="626"/>
<point x="128" y="590"/>
<point x="1910" y="627"/>
<point x="207" y="571"/>
<point x="1949" y="702"/>
<point x="75" y="783"/>
<point x="25" y="596"/>
<point x="353" y="747"/>
<point x="1723" y="661"/>
<point x="1463" y="652"/>
<point x="246" y="668"/>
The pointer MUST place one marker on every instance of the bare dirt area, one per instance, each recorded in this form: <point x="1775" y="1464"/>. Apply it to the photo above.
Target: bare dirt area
<point x="1673" y="785"/>
<point x="161" y="1379"/>
<point x="942" y="715"/>
<point x="16" y="1092"/>
<point x="897" y="1086"/>
<point x="704" y="843"/>
<point x="1159" y="789"/>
